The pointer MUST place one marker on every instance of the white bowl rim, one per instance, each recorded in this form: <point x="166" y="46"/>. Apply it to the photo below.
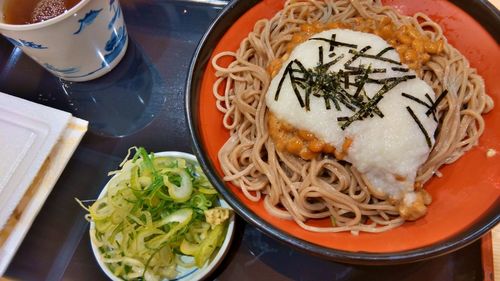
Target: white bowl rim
<point x="200" y="272"/>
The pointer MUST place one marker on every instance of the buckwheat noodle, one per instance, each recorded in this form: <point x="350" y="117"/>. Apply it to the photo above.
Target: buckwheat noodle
<point x="304" y="191"/>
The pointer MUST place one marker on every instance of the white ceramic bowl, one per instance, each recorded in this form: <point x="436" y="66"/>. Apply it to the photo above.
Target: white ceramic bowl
<point x="184" y="273"/>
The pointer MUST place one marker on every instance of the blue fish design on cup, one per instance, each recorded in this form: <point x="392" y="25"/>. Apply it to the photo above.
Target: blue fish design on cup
<point x="117" y="14"/>
<point x="87" y="20"/>
<point x="24" y="43"/>
<point x="115" y="45"/>
<point x="32" y="44"/>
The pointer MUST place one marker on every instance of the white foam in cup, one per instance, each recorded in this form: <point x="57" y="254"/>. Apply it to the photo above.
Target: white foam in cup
<point x="81" y="44"/>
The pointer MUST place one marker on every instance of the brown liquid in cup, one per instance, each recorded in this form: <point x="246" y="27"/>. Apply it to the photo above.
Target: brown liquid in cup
<point x="33" y="11"/>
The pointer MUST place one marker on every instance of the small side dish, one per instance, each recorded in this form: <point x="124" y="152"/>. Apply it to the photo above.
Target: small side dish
<point x="159" y="218"/>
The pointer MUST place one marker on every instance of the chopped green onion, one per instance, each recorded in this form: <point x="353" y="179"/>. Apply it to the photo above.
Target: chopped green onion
<point x="151" y="214"/>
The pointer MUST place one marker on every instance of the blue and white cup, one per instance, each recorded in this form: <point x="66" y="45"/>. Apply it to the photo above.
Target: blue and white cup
<point x="81" y="44"/>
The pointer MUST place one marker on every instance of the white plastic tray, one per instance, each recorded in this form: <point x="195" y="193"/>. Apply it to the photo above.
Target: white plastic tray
<point x="28" y="132"/>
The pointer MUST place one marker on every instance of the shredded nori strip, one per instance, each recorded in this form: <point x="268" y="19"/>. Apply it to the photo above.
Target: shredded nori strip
<point x="415" y="99"/>
<point x="361" y="70"/>
<point x="361" y="83"/>
<point x="320" y="50"/>
<point x="438" y="128"/>
<point x="384" y="51"/>
<point x="415" y="118"/>
<point x="347" y="65"/>
<point x="400" y="69"/>
<point x="431" y="101"/>
<point x="327" y="103"/>
<point x="280" y="84"/>
<point x="308" y="99"/>
<point x="355" y="71"/>
<point x="385" y="80"/>
<point x="333" y="62"/>
<point x="421" y="102"/>
<point x="373" y="57"/>
<point x="301" y="66"/>
<point x="379" y="70"/>
<point x="334" y="36"/>
<point x="345" y="101"/>
<point x="436" y="103"/>
<point x="429" y="98"/>
<point x="297" y="93"/>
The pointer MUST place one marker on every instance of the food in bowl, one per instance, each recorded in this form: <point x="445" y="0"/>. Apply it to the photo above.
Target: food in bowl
<point x="156" y="217"/>
<point x="342" y="110"/>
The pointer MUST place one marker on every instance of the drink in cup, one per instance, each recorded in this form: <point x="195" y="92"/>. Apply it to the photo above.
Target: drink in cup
<point x="76" y="40"/>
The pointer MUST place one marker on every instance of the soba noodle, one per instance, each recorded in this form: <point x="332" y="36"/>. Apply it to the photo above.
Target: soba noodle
<point x="300" y="190"/>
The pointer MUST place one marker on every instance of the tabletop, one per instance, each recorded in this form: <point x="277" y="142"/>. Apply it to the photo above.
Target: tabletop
<point x="141" y="103"/>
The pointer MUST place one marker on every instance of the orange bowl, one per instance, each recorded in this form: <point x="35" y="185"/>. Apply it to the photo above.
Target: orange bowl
<point x="465" y="200"/>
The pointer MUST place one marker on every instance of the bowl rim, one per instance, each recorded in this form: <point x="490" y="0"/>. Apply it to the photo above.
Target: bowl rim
<point x="200" y="273"/>
<point x="214" y="33"/>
